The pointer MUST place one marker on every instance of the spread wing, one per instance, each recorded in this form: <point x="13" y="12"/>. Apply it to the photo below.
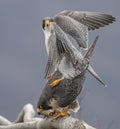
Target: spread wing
<point x="92" y="20"/>
<point x="73" y="28"/>
<point x="51" y="55"/>
<point x="59" y="46"/>
<point x="64" y="45"/>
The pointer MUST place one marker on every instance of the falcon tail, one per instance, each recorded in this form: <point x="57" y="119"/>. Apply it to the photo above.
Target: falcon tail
<point x="93" y="73"/>
<point x="88" y="56"/>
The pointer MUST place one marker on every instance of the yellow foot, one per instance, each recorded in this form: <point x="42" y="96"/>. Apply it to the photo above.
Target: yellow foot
<point x="56" y="82"/>
<point x="60" y="113"/>
<point x="51" y="113"/>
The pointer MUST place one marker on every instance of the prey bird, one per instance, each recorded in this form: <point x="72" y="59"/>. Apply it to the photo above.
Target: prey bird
<point x="57" y="101"/>
<point x="66" y="35"/>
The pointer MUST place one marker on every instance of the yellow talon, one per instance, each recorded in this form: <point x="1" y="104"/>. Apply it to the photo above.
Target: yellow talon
<point x="60" y="113"/>
<point x="56" y="82"/>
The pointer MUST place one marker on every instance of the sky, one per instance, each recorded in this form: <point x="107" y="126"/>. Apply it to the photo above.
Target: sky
<point x="23" y="58"/>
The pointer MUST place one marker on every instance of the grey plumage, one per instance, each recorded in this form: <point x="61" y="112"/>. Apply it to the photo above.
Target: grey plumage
<point x="59" y="46"/>
<point x="74" y="29"/>
<point x="66" y="93"/>
<point x="92" y="20"/>
<point x="68" y="32"/>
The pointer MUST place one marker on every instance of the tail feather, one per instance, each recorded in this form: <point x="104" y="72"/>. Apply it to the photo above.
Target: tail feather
<point x="88" y="56"/>
<point x="94" y="74"/>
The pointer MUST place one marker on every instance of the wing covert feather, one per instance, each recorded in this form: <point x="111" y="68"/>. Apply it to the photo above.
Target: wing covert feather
<point x="75" y="29"/>
<point x="63" y="44"/>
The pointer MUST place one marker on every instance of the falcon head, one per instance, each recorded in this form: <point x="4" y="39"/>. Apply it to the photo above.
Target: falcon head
<point x="46" y="23"/>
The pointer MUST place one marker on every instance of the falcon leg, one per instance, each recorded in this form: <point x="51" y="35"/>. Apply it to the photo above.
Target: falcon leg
<point x="60" y="113"/>
<point x="56" y="82"/>
<point x="49" y="76"/>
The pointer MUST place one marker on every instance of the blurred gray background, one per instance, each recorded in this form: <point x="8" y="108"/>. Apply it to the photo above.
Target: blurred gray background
<point x="23" y="58"/>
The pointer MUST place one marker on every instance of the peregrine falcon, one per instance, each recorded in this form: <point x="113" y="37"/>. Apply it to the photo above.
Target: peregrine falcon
<point x="66" y="35"/>
<point x="62" y="98"/>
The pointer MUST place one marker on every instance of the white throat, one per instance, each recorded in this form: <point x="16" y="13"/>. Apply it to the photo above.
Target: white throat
<point x="47" y="34"/>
